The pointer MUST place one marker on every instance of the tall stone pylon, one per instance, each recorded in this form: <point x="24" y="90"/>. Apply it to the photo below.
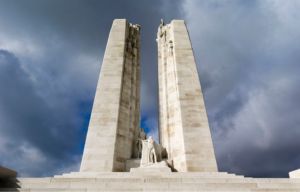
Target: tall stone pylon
<point x="115" y="120"/>
<point x="183" y="123"/>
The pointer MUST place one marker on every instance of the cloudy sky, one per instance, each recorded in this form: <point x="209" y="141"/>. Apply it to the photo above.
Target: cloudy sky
<point x="247" y="54"/>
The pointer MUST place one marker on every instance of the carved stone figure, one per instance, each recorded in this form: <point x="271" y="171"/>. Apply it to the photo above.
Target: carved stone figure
<point x="160" y="28"/>
<point x="138" y="27"/>
<point x="129" y="45"/>
<point x="131" y="30"/>
<point x="151" y="153"/>
<point x="133" y="41"/>
<point x="170" y="48"/>
<point x="142" y="136"/>
<point x="162" y="31"/>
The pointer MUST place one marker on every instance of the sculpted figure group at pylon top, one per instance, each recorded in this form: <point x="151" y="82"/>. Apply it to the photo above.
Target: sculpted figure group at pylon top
<point x="131" y="41"/>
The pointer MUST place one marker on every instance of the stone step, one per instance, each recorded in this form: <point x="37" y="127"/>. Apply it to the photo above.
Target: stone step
<point x="49" y="189"/>
<point x="133" y="173"/>
<point x="147" y="176"/>
<point x="128" y="173"/>
<point x="152" y="189"/>
<point x="151" y="179"/>
<point x="146" y="173"/>
<point x="151" y="184"/>
<point x="116" y="174"/>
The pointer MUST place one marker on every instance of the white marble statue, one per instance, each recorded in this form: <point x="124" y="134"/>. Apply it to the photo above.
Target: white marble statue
<point x="151" y="153"/>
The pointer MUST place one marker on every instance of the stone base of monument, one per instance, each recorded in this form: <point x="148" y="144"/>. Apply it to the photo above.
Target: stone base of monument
<point x="295" y="174"/>
<point x="160" y="167"/>
<point x="136" y="181"/>
<point x="136" y="163"/>
<point x="132" y="163"/>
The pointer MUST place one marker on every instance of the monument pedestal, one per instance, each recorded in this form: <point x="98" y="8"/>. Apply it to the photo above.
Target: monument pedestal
<point x="132" y="163"/>
<point x="295" y="174"/>
<point x="136" y="163"/>
<point x="160" y="167"/>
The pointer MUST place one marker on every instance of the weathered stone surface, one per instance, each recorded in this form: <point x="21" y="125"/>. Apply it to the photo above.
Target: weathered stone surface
<point x="115" y="120"/>
<point x="183" y="123"/>
<point x="132" y="163"/>
<point x="161" y="167"/>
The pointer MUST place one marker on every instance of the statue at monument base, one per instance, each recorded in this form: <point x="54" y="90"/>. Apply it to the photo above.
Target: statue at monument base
<point x="151" y="160"/>
<point x="149" y="152"/>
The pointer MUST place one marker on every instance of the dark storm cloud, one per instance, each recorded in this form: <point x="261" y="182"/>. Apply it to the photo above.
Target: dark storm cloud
<point x="248" y="58"/>
<point x="23" y="107"/>
<point x="51" y="58"/>
<point x="231" y="106"/>
<point x="27" y="120"/>
<point x="83" y="27"/>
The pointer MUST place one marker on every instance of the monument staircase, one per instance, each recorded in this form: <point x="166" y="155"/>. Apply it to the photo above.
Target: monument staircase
<point x="149" y="181"/>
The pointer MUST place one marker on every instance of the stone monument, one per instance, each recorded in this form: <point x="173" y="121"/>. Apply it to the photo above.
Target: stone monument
<point x="118" y="156"/>
<point x="114" y="128"/>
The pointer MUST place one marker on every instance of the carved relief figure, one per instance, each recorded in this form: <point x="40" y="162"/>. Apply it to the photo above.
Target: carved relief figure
<point x="131" y="30"/>
<point x="151" y="154"/>
<point x="138" y="27"/>
<point x="133" y="45"/>
<point x="170" y="48"/>
<point x="131" y="41"/>
<point x="129" y="45"/>
<point x="162" y="31"/>
<point x="160" y="28"/>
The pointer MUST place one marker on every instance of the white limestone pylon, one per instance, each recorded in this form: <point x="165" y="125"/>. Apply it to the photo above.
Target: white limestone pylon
<point x="183" y="124"/>
<point x="115" y="120"/>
